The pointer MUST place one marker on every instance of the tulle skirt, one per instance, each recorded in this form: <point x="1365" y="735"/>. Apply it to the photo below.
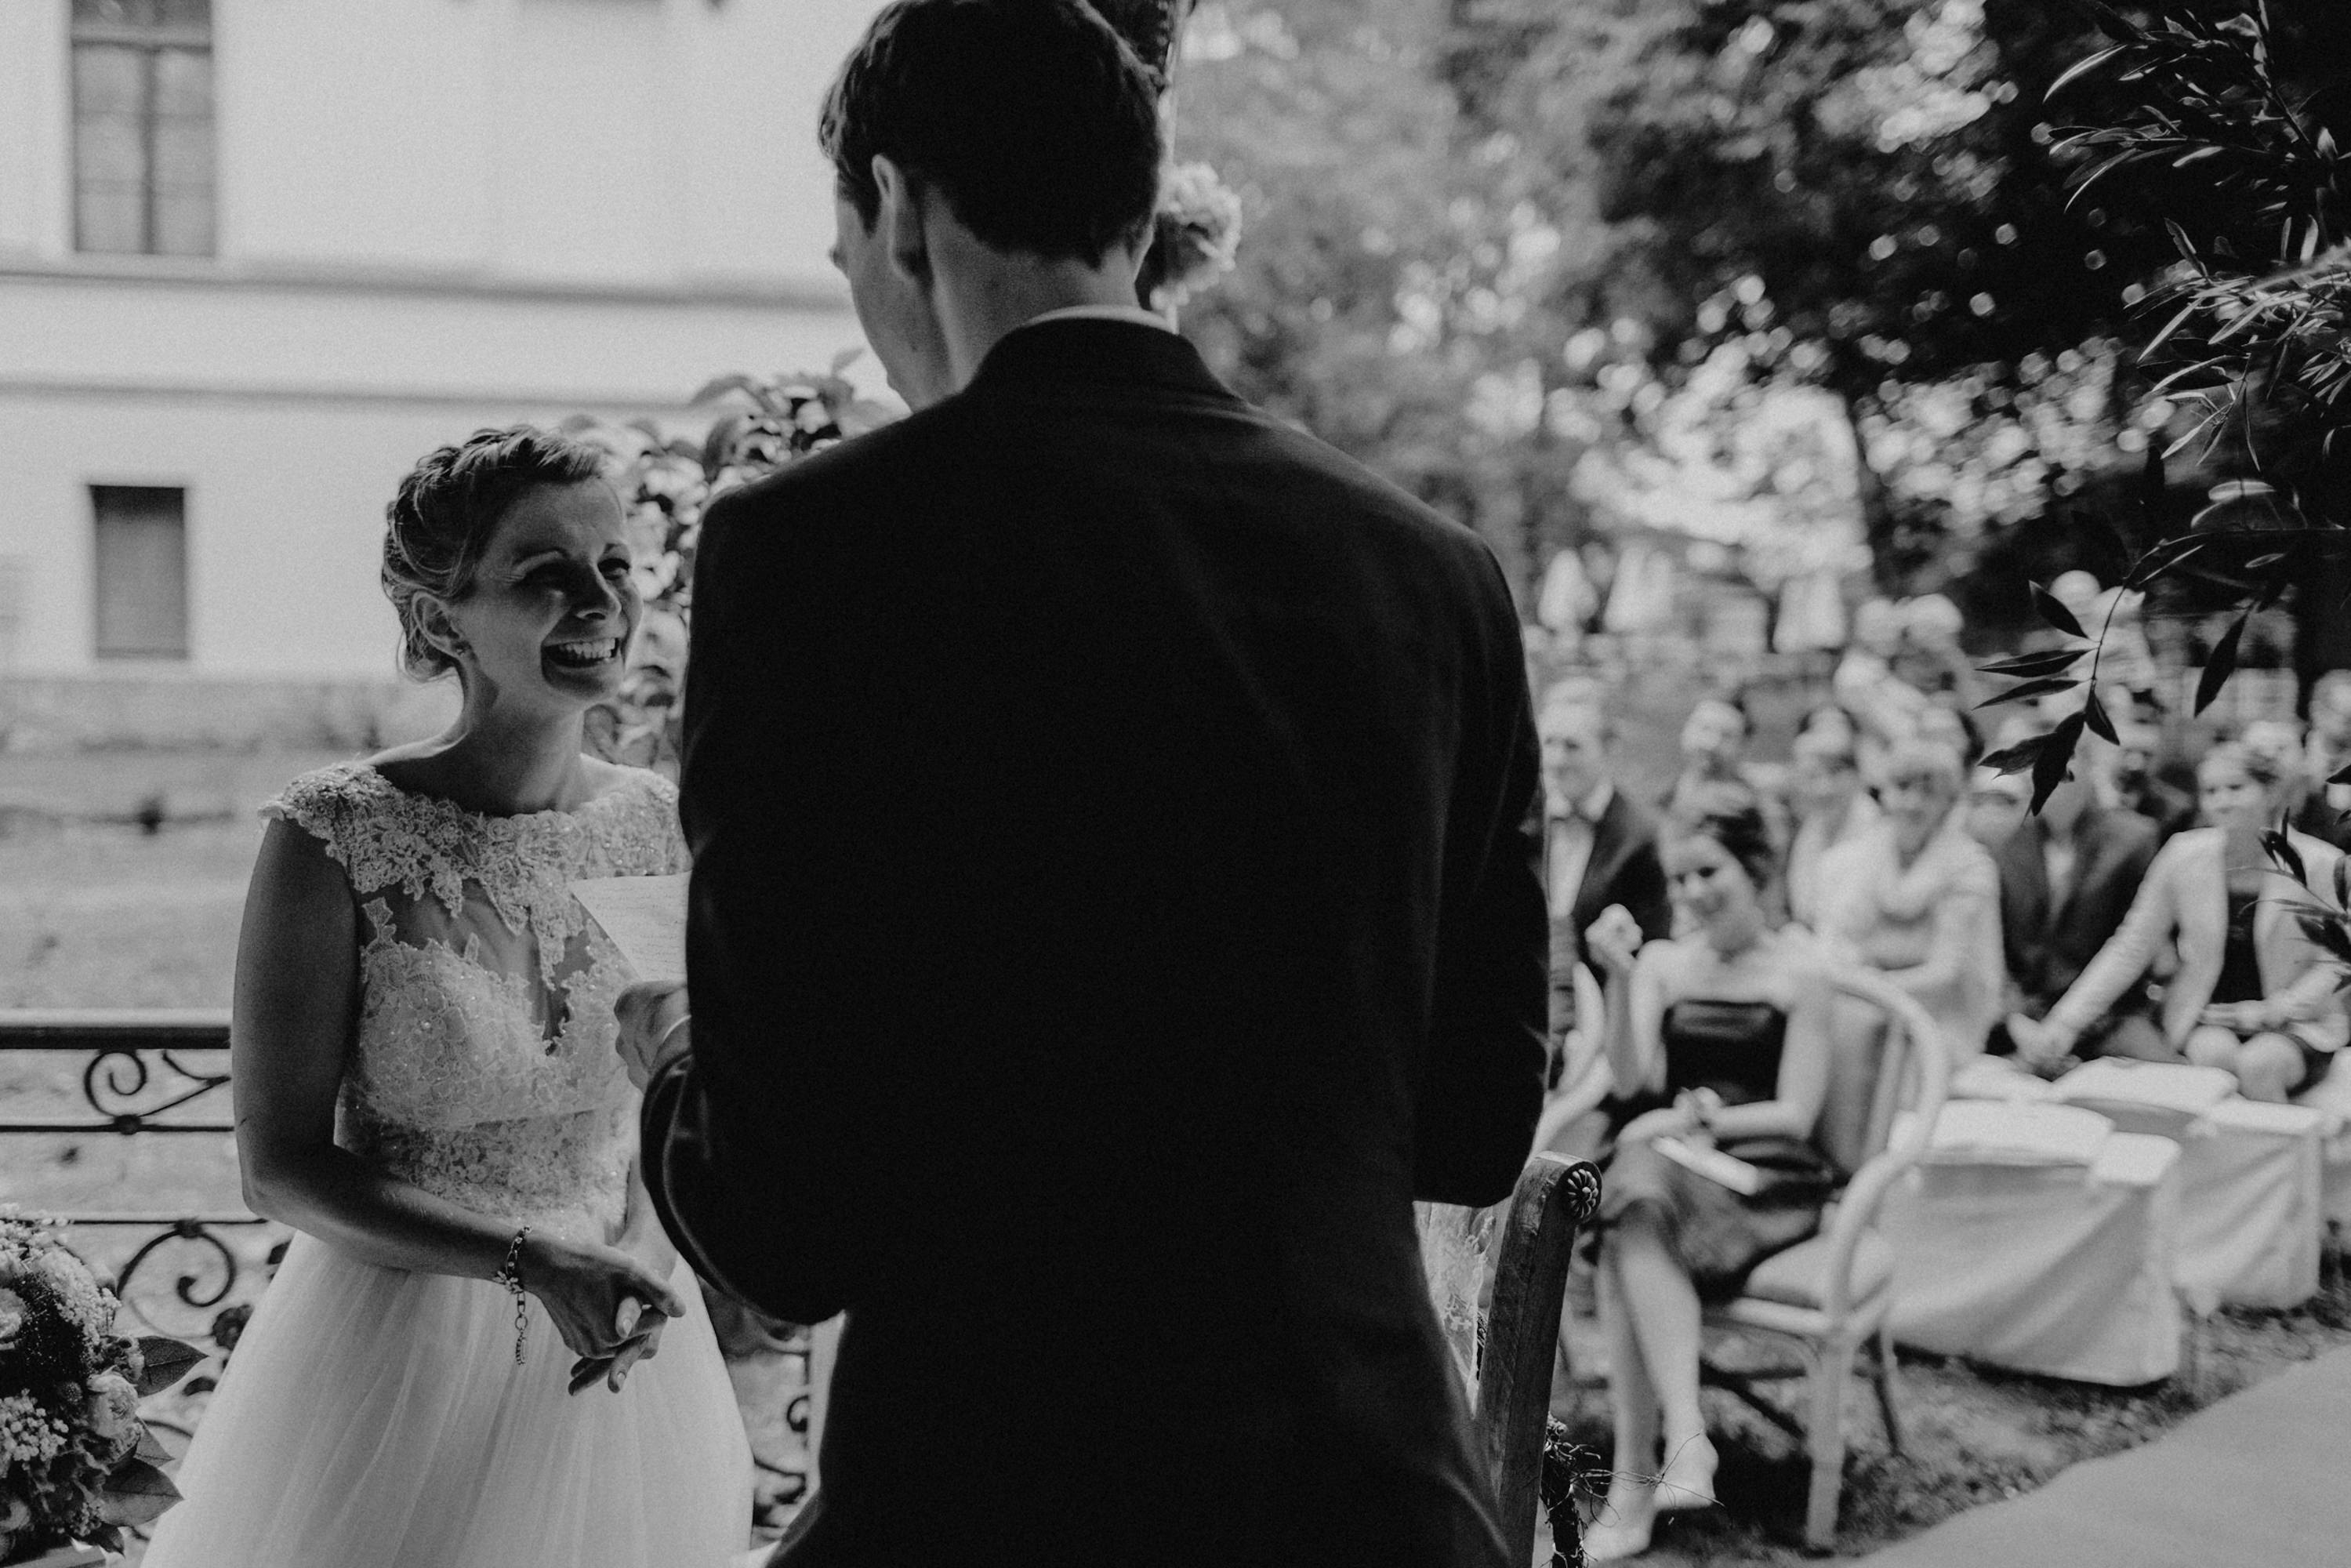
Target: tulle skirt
<point x="373" y="1417"/>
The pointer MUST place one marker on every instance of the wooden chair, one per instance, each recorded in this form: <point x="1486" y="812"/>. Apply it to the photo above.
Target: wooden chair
<point x="1554" y="1196"/>
<point x="1831" y="1294"/>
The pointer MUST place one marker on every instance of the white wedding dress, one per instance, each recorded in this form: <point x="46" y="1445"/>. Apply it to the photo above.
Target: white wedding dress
<point x="373" y="1417"/>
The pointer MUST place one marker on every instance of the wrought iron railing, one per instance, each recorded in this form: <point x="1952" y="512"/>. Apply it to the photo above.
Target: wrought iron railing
<point x="192" y="1273"/>
<point x="139" y="1079"/>
<point x="141" y="1076"/>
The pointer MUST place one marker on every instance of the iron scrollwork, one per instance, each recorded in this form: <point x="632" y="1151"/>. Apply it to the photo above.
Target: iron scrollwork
<point x="119" y="1077"/>
<point x="205" y="1281"/>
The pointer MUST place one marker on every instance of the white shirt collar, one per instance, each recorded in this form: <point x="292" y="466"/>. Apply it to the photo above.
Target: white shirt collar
<point x="1135" y="314"/>
<point x="1595" y="806"/>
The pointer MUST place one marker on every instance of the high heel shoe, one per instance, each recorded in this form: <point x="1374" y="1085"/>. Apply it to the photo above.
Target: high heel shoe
<point x="1623" y="1526"/>
<point x="1688" y="1480"/>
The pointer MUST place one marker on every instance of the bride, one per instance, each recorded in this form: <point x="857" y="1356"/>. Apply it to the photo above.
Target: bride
<point x="427" y="1092"/>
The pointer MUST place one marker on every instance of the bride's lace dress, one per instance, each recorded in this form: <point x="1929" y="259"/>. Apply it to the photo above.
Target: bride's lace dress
<point x="373" y="1416"/>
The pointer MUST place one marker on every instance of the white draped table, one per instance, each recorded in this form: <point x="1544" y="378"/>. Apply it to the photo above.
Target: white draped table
<point x="2058" y="1265"/>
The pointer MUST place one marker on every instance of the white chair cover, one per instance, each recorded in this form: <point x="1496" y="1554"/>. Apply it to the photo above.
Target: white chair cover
<point x="2034" y="1239"/>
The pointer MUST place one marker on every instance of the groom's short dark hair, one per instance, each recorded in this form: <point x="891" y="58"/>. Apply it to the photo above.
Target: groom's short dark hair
<point x="1033" y="118"/>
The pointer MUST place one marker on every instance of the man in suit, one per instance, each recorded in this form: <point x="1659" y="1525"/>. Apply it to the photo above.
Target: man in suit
<point x="1112" y="903"/>
<point x="2067" y="877"/>
<point x="2137" y="786"/>
<point x="1599" y="847"/>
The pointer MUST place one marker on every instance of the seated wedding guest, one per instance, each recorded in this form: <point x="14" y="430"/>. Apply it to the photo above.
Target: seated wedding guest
<point x="1714" y="750"/>
<point x="1832" y="806"/>
<point x="2330" y="740"/>
<point x="2253" y="994"/>
<point x="2135" y="783"/>
<point x="2067" y="877"/>
<point x="1600" y="847"/>
<point x="2302" y="782"/>
<point x="1720" y="1038"/>
<point x="1918" y="900"/>
<point x="1945" y="724"/>
<point x="1996" y="806"/>
<point x="1929" y="658"/>
<point x="1868" y="659"/>
<point x="1832" y="718"/>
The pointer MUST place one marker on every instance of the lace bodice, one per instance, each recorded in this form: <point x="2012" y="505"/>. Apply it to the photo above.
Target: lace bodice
<point x="483" y="1068"/>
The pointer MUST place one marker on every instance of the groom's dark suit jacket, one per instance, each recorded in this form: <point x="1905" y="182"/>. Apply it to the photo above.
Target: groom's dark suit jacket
<point x="1113" y="904"/>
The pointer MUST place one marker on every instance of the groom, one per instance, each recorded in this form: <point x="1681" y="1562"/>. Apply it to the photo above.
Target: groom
<point x="1114" y="895"/>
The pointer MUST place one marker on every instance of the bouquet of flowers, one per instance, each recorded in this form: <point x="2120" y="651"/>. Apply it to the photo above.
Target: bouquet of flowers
<point x="75" y="1461"/>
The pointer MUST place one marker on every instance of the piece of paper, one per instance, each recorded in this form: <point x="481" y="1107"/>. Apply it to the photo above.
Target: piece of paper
<point x="645" y="919"/>
<point x="1724" y="1170"/>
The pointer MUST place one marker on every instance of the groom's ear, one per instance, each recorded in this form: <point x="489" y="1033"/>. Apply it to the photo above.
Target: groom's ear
<point x="901" y="221"/>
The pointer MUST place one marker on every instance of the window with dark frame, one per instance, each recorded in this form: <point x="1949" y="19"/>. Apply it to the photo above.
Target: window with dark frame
<point x="141" y="598"/>
<point x="143" y="108"/>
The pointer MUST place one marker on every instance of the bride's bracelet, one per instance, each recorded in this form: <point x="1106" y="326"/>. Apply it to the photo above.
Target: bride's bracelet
<point x="510" y="1274"/>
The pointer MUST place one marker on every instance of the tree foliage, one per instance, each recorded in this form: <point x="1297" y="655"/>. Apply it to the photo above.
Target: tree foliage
<point x="1399" y="288"/>
<point x="2215" y="124"/>
<point x="1869" y="194"/>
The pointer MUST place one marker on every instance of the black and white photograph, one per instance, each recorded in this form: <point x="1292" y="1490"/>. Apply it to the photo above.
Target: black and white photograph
<point x="1175" y="783"/>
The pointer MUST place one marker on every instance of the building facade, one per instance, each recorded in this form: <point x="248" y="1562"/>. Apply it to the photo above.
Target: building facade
<point x="257" y="255"/>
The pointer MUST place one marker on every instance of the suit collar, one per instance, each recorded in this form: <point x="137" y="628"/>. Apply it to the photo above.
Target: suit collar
<point x="1094" y="351"/>
<point x="1593" y="807"/>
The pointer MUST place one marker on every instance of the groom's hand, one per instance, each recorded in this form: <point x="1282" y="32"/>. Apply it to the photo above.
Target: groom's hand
<point x="653" y="1031"/>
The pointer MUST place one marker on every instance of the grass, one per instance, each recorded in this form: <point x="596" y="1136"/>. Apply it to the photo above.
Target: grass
<point x="1974" y="1434"/>
<point x="96" y="912"/>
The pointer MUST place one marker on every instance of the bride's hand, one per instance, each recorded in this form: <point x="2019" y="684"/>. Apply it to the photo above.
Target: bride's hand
<point x="650" y="1013"/>
<point x="583" y="1287"/>
<point x="643" y="1343"/>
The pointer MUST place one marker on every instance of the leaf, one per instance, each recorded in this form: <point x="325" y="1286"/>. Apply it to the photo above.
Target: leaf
<point x="2259" y="561"/>
<point x="2217" y="667"/>
<point x="2113" y="22"/>
<point x="137" y="1493"/>
<point x="2083" y="67"/>
<point x="2052" y="611"/>
<point x="2093" y="714"/>
<point x="2281" y="850"/>
<point x="107" y="1537"/>
<point x="846" y="358"/>
<point x="2328" y="933"/>
<point x="2342" y="881"/>
<point x="2047" y="663"/>
<point x="2040" y="688"/>
<point x="2186" y="311"/>
<point x="2049" y="768"/>
<point x="2165" y="556"/>
<point x="2106" y="540"/>
<point x="2185" y="246"/>
<point x="164" y="1362"/>
<point x="150" y="1448"/>
<point x="2018" y="758"/>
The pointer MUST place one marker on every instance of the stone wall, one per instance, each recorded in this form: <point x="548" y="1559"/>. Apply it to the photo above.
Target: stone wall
<point x="53" y="714"/>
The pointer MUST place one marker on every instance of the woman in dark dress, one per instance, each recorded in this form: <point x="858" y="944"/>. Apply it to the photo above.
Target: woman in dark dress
<point x="1717" y="1038"/>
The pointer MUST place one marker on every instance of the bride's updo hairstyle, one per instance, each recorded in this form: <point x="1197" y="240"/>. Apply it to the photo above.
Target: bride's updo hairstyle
<point x="440" y="523"/>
